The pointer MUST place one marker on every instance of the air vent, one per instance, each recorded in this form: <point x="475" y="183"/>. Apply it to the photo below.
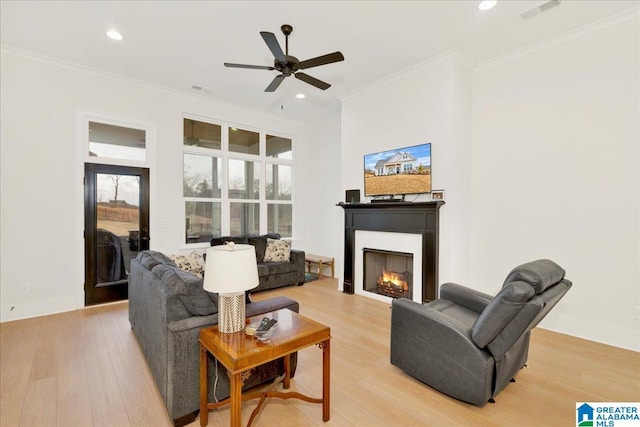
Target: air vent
<point x="534" y="11"/>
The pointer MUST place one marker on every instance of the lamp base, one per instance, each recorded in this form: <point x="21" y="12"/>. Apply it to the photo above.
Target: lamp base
<point x="231" y="317"/>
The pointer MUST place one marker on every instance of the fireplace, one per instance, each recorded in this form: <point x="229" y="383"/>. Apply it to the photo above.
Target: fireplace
<point x="398" y="226"/>
<point x="388" y="273"/>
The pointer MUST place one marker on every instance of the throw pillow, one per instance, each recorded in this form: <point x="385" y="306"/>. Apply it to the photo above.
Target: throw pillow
<point x="277" y="250"/>
<point x="192" y="263"/>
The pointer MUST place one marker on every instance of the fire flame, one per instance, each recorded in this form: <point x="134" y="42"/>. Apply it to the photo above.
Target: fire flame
<point x="395" y="278"/>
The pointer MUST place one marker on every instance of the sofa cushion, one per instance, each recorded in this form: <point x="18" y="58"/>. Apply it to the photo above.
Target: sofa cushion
<point x="277" y="250"/>
<point x="192" y="263"/>
<point x="188" y="288"/>
<point x="500" y="311"/>
<point x="281" y="267"/>
<point x="263" y="269"/>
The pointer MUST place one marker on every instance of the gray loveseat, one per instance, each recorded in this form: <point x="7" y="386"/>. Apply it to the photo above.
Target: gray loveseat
<point x="468" y="344"/>
<point x="271" y="274"/>
<point x="167" y="309"/>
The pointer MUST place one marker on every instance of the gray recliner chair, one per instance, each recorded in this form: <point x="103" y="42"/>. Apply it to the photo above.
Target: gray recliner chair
<point x="468" y="344"/>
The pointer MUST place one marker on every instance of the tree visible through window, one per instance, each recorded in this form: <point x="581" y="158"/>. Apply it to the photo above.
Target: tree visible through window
<point x="239" y="187"/>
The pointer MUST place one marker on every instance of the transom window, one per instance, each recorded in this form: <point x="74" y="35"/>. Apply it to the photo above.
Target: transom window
<point x="235" y="181"/>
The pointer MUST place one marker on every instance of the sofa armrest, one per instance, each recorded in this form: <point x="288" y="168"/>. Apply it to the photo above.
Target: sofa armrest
<point x="297" y="257"/>
<point x="469" y="298"/>
<point x="271" y="304"/>
<point x="438" y="350"/>
<point x="253" y="309"/>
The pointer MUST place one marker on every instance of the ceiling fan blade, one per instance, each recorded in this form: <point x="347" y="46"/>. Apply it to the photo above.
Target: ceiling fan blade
<point x="312" y="81"/>
<point x="321" y="60"/>
<point x="274" y="46"/>
<point x="274" y="83"/>
<point x="254" y="67"/>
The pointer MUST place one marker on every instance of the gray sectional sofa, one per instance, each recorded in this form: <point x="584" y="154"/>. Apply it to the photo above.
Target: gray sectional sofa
<point x="271" y="274"/>
<point x="167" y="309"/>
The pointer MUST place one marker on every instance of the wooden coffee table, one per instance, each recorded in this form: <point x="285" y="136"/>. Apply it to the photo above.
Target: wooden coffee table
<point x="240" y="353"/>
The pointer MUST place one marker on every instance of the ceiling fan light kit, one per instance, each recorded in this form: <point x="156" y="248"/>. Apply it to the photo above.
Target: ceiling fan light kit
<point x="288" y="65"/>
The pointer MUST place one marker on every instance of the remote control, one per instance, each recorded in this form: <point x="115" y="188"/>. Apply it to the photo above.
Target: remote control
<point x="266" y="326"/>
<point x="265" y="321"/>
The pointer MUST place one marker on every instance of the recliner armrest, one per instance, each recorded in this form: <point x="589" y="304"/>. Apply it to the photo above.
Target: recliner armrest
<point x="466" y="297"/>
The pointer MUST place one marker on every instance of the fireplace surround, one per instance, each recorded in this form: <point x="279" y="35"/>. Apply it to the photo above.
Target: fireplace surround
<point x="396" y="217"/>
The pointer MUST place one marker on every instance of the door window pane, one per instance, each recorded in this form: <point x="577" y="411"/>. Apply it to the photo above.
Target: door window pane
<point x="202" y="176"/>
<point x="279" y="219"/>
<point x="278" y="182"/>
<point x="244" y="179"/>
<point x="278" y="147"/>
<point x="244" y="141"/>
<point x="200" y="134"/>
<point x="202" y="221"/>
<point x="117" y="225"/>
<point x="245" y="218"/>
<point x="116" y="142"/>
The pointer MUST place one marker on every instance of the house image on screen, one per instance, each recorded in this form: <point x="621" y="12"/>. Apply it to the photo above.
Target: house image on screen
<point x="401" y="162"/>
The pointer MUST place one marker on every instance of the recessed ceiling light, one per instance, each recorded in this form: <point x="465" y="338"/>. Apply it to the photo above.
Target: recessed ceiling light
<point x="487" y="4"/>
<point x="114" y="35"/>
<point x="301" y="96"/>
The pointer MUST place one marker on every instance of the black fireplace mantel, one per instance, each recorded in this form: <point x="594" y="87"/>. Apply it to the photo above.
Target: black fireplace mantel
<point x="395" y="217"/>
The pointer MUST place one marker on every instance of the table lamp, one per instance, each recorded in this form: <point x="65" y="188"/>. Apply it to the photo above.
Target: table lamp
<point x="230" y="270"/>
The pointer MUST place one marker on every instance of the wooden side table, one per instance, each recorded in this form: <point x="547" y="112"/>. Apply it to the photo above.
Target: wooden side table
<point x="240" y="353"/>
<point x="319" y="261"/>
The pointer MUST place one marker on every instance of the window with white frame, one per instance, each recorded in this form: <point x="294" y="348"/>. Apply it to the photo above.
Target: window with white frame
<point x="235" y="181"/>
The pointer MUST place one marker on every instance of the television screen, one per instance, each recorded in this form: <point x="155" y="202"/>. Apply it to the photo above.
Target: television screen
<point x="402" y="171"/>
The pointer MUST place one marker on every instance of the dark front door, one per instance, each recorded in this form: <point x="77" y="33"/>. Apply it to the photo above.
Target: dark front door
<point x="116" y="228"/>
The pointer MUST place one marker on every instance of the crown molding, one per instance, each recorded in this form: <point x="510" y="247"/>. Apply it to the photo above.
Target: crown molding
<point x="72" y="66"/>
<point x="450" y="55"/>
<point x="559" y="39"/>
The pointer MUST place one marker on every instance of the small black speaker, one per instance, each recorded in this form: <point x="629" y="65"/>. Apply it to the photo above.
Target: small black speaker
<point x="352" y="196"/>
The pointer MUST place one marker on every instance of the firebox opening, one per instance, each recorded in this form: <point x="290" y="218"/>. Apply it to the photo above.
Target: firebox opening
<point x="388" y="273"/>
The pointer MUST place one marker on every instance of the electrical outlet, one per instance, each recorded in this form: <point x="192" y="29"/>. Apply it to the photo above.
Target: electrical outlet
<point x="25" y="288"/>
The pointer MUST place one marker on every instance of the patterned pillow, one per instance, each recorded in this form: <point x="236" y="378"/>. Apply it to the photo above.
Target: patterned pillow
<point x="277" y="250"/>
<point x="193" y="262"/>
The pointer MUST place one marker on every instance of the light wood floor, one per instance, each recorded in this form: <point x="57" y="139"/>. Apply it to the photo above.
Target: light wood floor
<point x="85" y="368"/>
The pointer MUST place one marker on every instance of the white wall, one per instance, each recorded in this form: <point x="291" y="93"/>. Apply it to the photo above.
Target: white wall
<point x="41" y="171"/>
<point x="555" y="175"/>
<point x="319" y="190"/>
<point x="550" y="169"/>
<point x="538" y="154"/>
<point x="429" y="103"/>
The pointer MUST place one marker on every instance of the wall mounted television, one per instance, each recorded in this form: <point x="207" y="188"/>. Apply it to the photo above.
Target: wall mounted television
<point x="398" y="172"/>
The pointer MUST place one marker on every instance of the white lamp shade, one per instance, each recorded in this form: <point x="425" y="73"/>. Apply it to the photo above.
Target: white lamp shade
<point x="230" y="269"/>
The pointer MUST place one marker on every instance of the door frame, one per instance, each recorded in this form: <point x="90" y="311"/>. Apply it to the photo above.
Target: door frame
<point x="117" y="292"/>
<point x="82" y="119"/>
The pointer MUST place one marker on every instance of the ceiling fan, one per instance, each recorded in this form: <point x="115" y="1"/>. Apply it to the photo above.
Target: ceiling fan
<point x="287" y="64"/>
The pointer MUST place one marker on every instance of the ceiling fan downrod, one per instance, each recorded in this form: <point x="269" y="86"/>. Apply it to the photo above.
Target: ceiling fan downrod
<point x="286" y="30"/>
